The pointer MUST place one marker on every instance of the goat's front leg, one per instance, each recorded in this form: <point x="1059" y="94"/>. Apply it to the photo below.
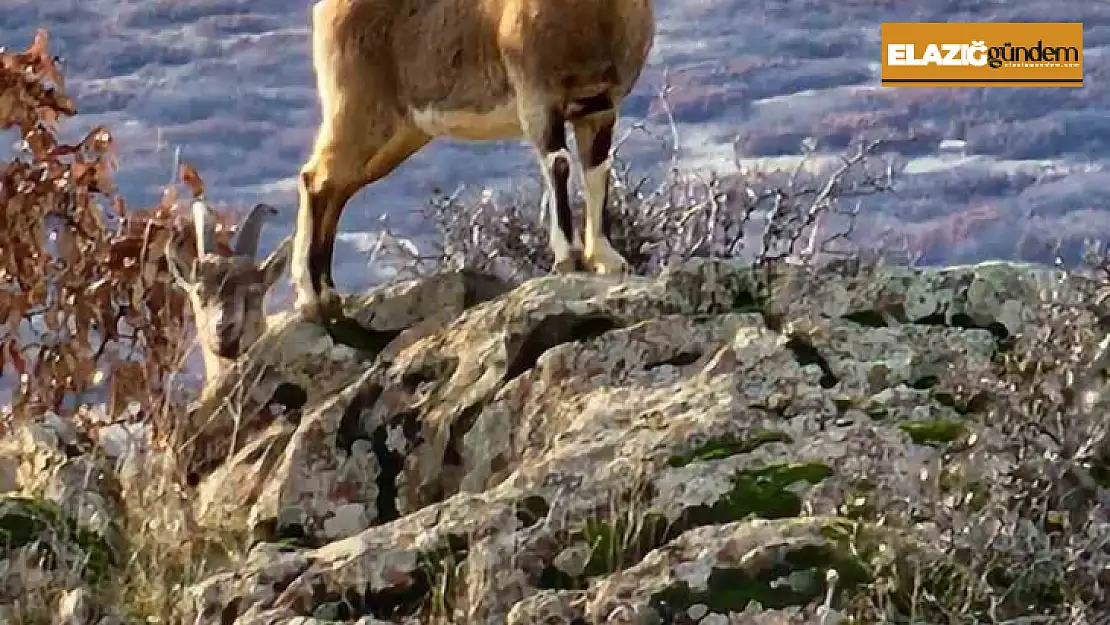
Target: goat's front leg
<point x="321" y="202"/>
<point x="305" y="298"/>
<point x="594" y="136"/>
<point x="545" y="128"/>
<point x="338" y="170"/>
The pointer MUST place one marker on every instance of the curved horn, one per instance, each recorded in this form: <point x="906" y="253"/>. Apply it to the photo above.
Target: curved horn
<point x="205" y="229"/>
<point x="246" y="243"/>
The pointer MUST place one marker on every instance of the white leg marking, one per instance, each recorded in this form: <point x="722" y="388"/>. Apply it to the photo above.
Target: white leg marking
<point x="599" y="254"/>
<point x="298" y="267"/>
<point x="580" y="173"/>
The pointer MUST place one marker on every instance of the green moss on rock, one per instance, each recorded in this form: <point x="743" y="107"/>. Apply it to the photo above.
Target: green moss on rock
<point x="954" y="480"/>
<point x="844" y="403"/>
<point x="877" y="411"/>
<point x="939" y="431"/>
<point x="795" y="578"/>
<point x="26" y="521"/>
<point x="347" y="331"/>
<point x="858" y="506"/>
<point x="1100" y="471"/>
<point x="724" y="447"/>
<point x="763" y="493"/>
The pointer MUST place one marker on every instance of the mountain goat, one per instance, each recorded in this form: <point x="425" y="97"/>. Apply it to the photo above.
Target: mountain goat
<point x="227" y="292"/>
<point x="394" y="74"/>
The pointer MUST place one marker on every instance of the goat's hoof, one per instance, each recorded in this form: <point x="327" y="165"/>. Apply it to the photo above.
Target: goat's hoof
<point x="331" y="305"/>
<point x="608" y="262"/>
<point x="567" y="265"/>
<point x="570" y="264"/>
<point x="322" y="307"/>
<point x="308" y="310"/>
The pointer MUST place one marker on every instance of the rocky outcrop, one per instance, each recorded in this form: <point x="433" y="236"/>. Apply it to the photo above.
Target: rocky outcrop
<point x="722" y="444"/>
<point x="60" y="507"/>
<point x="582" y="449"/>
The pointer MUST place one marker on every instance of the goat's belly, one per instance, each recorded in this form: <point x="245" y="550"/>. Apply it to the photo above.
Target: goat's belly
<point x="499" y="123"/>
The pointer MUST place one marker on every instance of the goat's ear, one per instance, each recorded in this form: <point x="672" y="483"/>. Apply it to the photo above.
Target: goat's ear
<point x="276" y="262"/>
<point x="182" y="272"/>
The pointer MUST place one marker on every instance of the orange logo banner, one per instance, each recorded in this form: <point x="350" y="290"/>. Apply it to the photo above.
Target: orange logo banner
<point x="987" y="54"/>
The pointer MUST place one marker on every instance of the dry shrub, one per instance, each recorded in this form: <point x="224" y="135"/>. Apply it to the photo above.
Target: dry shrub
<point x="86" y="303"/>
<point x="803" y="214"/>
<point x="91" y="328"/>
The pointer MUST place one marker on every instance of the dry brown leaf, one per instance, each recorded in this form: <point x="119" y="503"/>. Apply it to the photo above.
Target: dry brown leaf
<point x="15" y="356"/>
<point x="7" y="105"/>
<point x="68" y="250"/>
<point x="16" y="308"/>
<point x="85" y="370"/>
<point x="191" y="178"/>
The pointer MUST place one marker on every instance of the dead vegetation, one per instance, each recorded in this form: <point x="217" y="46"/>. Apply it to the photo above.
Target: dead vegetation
<point x="90" y="325"/>
<point x="83" y="273"/>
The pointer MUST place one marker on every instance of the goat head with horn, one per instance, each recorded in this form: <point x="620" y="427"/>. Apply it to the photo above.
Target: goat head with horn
<point x="227" y="291"/>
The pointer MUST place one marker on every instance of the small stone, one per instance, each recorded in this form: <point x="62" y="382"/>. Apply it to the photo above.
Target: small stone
<point x="327" y="611"/>
<point x="697" y="611"/>
<point x="349" y="520"/>
<point x="573" y="559"/>
<point x="75" y="608"/>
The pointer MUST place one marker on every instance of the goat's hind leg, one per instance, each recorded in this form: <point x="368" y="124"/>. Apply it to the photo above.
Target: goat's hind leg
<point x="545" y="128"/>
<point x="593" y="134"/>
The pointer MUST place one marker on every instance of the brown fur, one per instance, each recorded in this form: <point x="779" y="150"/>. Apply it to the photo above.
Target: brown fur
<point x="394" y="74"/>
